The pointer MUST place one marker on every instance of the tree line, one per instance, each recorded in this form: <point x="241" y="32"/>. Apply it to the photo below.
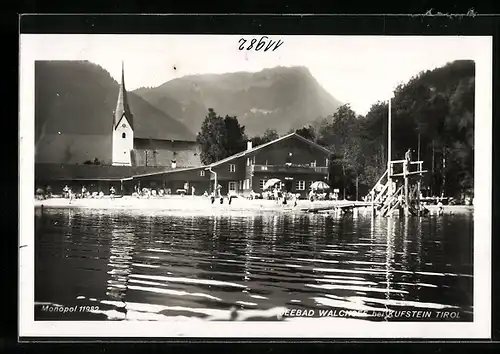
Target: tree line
<point x="432" y="114"/>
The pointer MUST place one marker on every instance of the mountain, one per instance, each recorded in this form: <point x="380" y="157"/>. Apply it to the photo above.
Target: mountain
<point x="281" y="98"/>
<point x="74" y="104"/>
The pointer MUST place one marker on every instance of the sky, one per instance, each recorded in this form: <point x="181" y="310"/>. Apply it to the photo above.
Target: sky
<point x="359" y="70"/>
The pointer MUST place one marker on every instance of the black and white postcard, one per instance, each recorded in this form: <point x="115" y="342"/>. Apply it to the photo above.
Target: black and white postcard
<point x="223" y="186"/>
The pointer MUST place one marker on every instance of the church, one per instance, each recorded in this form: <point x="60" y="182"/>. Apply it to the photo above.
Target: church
<point x="136" y="144"/>
<point x="149" y="148"/>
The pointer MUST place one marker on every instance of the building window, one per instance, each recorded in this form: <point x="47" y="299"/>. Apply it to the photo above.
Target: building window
<point x="313" y="164"/>
<point x="202" y="173"/>
<point x="263" y="168"/>
<point x="301" y="185"/>
<point x="262" y="182"/>
<point x="124" y="135"/>
<point x="327" y="161"/>
<point x="248" y="161"/>
<point x="232" y="167"/>
<point x="232" y="186"/>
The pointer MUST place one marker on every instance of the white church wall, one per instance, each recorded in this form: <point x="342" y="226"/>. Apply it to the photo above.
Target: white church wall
<point x="123" y="143"/>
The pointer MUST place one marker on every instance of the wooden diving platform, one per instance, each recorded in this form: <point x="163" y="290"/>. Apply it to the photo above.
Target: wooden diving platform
<point x="414" y="173"/>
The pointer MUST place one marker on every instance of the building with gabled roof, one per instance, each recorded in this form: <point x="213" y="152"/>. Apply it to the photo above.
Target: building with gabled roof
<point x="296" y="161"/>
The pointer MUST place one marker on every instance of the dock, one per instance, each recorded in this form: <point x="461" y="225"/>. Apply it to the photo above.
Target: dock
<point x="343" y="206"/>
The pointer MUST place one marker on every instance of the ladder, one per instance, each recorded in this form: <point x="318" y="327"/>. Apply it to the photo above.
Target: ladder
<point x="391" y="203"/>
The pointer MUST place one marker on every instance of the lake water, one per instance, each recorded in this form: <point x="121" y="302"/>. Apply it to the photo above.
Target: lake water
<point x="154" y="266"/>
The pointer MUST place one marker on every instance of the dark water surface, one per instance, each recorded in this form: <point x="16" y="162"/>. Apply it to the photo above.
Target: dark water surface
<point x="150" y="266"/>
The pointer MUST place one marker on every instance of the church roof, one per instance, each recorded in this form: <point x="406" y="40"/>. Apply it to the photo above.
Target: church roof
<point x="122" y="105"/>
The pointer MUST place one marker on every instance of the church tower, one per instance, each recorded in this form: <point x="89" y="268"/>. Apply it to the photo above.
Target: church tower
<point x="123" y="129"/>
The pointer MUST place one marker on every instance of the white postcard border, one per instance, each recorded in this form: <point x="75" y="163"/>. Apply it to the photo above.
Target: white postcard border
<point x="307" y="328"/>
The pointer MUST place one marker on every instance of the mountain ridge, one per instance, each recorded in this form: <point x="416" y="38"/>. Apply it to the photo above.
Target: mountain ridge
<point x="280" y="98"/>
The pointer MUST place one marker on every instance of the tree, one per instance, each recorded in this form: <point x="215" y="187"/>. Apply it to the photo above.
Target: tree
<point x="307" y="132"/>
<point x="342" y="137"/>
<point x="234" y="136"/>
<point x="268" y="136"/>
<point x="373" y="130"/>
<point x="220" y="137"/>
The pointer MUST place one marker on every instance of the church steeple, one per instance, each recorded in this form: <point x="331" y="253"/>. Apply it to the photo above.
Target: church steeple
<point x="122" y="106"/>
<point x="123" y="129"/>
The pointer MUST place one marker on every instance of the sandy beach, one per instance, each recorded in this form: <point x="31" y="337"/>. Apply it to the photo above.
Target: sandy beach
<point x="196" y="204"/>
<point x="186" y="203"/>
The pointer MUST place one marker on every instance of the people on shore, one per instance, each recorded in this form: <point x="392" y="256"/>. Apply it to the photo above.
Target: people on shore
<point x="66" y="191"/>
<point x="84" y="192"/>
<point x="40" y="194"/>
<point x="440" y="208"/>
<point x="423" y="210"/>
<point x="112" y="192"/>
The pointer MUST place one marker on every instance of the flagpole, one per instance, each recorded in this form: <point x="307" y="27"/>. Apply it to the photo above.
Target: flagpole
<point x="389" y="138"/>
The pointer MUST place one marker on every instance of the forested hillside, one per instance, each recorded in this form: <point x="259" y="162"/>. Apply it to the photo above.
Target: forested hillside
<point x="433" y="114"/>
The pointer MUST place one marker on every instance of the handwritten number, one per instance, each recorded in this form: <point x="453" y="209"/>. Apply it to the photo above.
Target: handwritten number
<point x="278" y="45"/>
<point x="263" y="44"/>
<point x="269" y="45"/>
<point x="252" y="42"/>
<point x="242" y="45"/>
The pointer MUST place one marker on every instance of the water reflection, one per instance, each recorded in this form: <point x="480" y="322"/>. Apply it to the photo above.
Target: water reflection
<point x="120" y="263"/>
<point x="159" y="266"/>
<point x="389" y="256"/>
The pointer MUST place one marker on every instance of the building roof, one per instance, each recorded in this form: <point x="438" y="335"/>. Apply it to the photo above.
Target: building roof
<point x="122" y="105"/>
<point x="49" y="171"/>
<point x="250" y="151"/>
<point x="240" y="154"/>
<point x="169" y="170"/>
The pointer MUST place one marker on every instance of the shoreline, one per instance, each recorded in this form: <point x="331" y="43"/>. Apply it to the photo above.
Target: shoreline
<point x="200" y="203"/>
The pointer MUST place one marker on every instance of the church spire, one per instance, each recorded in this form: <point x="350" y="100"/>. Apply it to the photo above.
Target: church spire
<point x="122" y="106"/>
